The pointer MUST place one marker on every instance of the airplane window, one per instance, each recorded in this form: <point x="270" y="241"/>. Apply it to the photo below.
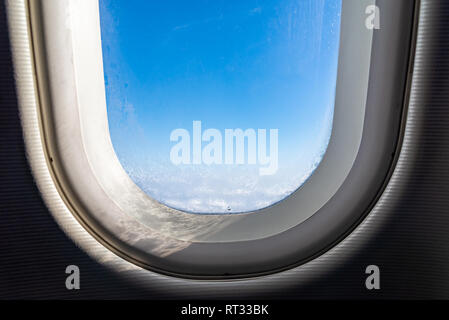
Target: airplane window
<point x="220" y="106"/>
<point x="259" y="116"/>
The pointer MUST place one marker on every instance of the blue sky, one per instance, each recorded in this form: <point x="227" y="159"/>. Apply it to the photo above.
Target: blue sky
<point x="229" y="64"/>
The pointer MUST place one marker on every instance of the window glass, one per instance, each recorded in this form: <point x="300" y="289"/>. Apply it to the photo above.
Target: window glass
<point x="220" y="106"/>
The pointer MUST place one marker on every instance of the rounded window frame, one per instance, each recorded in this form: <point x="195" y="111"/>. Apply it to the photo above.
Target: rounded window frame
<point x="170" y="249"/>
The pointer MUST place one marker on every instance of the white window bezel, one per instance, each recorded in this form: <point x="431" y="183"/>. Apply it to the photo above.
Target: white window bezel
<point x="64" y="83"/>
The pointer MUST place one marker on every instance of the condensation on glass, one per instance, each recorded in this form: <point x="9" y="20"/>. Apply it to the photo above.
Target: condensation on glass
<point x="220" y="106"/>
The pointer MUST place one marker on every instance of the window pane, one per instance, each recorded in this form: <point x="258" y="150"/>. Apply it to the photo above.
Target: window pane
<point x="220" y="106"/>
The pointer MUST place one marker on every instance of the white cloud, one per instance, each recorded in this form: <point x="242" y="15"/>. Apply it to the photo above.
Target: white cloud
<point x="204" y="189"/>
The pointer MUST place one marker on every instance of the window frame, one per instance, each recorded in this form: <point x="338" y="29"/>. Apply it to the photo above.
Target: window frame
<point x="214" y="256"/>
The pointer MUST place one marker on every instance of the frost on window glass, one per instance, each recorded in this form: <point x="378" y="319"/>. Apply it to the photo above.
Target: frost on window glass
<point x="220" y="106"/>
